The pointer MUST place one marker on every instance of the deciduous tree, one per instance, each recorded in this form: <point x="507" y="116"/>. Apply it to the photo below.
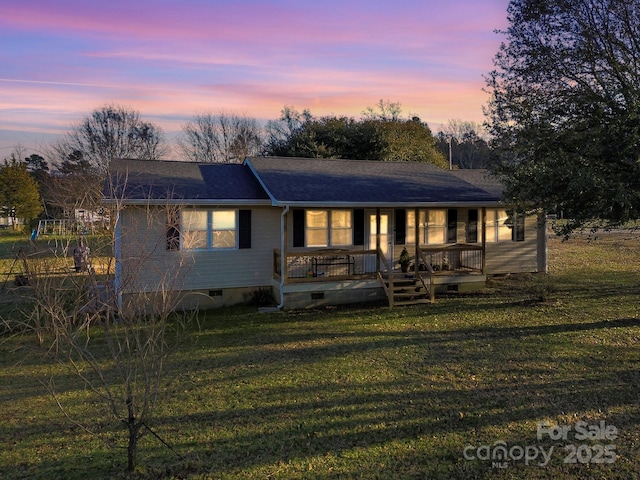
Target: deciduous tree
<point x="223" y="138"/>
<point x="109" y="132"/>
<point x="466" y="142"/>
<point x="116" y="353"/>
<point x="82" y="156"/>
<point x="385" y="110"/>
<point x="74" y="186"/>
<point x="280" y="131"/>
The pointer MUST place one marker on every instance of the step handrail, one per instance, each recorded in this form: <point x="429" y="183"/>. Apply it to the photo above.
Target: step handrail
<point x="384" y="261"/>
<point x="430" y="288"/>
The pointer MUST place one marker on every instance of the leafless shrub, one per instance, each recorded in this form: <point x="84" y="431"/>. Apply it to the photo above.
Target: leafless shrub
<point x="115" y="349"/>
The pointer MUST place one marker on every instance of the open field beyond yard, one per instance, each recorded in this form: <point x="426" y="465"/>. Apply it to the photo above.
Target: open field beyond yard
<point x="421" y="392"/>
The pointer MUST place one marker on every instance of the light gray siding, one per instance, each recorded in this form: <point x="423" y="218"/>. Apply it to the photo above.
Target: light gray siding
<point x="147" y="265"/>
<point x="150" y="272"/>
<point x="515" y="257"/>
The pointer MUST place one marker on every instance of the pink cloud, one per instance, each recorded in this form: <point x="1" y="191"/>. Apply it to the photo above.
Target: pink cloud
<point x="258" y="24"/>
<point x="170" y="60"/>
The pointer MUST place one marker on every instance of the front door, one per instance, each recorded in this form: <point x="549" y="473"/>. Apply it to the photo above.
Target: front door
<point x="386" y="245"/>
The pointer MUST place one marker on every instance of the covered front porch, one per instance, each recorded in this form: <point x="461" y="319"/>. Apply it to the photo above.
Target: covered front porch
<point x="328" y="276"/>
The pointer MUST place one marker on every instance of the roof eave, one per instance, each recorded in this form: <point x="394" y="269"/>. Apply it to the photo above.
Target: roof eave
<point x="186" y="201"/>
<point x="470" y="204"/>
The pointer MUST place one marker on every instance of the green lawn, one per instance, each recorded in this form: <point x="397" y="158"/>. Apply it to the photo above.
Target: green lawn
<point x="373" y="392"/>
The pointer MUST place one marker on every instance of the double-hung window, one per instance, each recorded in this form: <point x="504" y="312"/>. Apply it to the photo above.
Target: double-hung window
<point x="317" y="228"/>
<point x="434" y="223"/>
<point x="325" y="228"/>
<point x="432" y="226"/>
<point x="503" y="227"/>
<point x="223" y="229"/>
<point x="209" y="229"/>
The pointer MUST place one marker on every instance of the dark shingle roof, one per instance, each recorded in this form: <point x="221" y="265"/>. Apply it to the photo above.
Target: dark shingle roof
<point x="359" y="182"/>
<point x="171" y="180"/>
<point x="480" y="178"/>
<point x="299" y="181"/>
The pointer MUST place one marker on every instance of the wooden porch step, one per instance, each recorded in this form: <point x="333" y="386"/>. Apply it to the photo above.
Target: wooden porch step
<point x="417" y="301"/>
<point x="404" y="289"/>
<point x="409" y="294"/>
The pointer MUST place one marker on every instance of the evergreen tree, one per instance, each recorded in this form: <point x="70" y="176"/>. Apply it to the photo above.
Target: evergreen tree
<point x="19" y="195"/>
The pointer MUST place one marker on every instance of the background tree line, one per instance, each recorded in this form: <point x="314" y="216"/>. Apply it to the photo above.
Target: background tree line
<point x="70" y="174"/>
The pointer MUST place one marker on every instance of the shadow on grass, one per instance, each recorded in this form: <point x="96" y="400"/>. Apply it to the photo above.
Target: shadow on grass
<point x="308" y="425"/>
<point x="402" y="336"/>
<point x="439" y="394"/>
<point x="434" y="388"/>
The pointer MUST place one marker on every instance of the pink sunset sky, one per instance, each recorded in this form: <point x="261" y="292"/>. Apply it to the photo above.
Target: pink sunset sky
<point x="171" y="59"/>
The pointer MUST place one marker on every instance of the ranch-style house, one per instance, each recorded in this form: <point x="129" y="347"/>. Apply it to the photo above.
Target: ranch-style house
<point x="311" y="232"/>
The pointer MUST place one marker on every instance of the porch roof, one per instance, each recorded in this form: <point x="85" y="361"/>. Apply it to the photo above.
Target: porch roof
<point x="312" y="182"/>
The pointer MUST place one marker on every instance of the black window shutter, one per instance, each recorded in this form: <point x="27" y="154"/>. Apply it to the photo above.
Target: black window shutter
<point x="517" y="233"/>
<point x="452" y="226"/>
<point x="358" y="226"/>
<point x="298" y="228"/>
<point x="401" y="226"/>
<point x="244" y="229"/>
<point x="472" y="228"/>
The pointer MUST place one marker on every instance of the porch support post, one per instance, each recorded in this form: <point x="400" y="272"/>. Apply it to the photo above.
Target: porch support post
<point x="416" y="263"/>
<point x="285" y="244"/>
<point x="542" y="242"/>
<point x="484" y="238"/>
<point x="377" y="239"/>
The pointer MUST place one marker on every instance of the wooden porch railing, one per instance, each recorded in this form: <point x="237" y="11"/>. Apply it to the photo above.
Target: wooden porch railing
<point x="386" y="267"/>
<point x="339" y="264"/>
<point x="323" y="265"/>
<point x="453" y="259"/>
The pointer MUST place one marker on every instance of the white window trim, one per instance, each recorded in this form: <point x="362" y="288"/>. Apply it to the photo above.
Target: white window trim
<point x="493" y="226"/>
<point x="329" y="229"/>
<point x="424" y="226"/>
<point x="210" y="247"/>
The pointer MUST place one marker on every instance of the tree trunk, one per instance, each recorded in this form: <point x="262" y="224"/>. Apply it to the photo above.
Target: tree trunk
<point x="131" y="450"/>
<point x="134" y="427"/>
